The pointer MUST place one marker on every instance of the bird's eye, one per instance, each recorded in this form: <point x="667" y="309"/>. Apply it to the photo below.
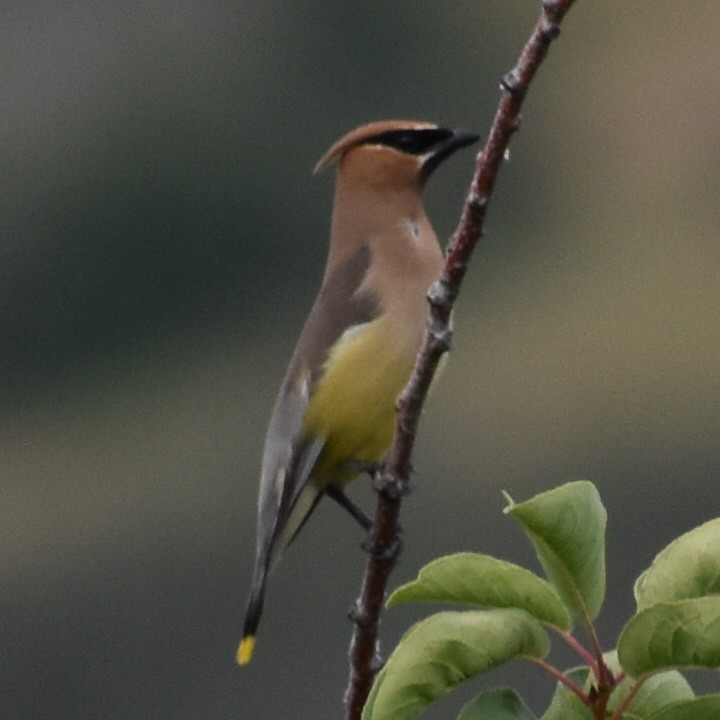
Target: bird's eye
<point x="405" y="141"/>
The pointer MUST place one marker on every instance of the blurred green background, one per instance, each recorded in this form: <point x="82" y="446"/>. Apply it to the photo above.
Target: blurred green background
<point x="162" y="240"/>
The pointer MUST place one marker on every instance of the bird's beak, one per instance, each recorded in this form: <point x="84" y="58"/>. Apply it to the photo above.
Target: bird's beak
<point x="458" y="139"/>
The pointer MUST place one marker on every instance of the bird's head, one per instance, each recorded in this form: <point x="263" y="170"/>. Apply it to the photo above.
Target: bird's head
<point x="394" y="153"/>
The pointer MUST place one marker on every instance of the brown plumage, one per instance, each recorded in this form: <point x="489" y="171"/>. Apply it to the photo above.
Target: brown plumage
<point x="356" y="350"/>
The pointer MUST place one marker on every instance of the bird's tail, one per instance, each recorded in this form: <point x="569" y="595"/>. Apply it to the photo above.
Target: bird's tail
<point x="253" y="612"/>
<point x="287" y="524"/>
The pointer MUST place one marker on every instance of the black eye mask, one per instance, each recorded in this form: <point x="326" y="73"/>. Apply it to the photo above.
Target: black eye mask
<point x="413" y="142"/>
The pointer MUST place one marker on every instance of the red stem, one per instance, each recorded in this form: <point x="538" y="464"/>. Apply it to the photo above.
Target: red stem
<point x="622" y="707"/>
<point x="561" y="677"/>
<point x="580" y="649"/>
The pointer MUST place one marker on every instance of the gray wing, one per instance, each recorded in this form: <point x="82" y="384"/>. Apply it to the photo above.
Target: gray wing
<point x="289" y="457"/>
<point x="286" y="497"/>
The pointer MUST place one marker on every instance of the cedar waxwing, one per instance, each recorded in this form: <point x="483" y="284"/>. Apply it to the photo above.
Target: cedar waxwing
<point x="336" y="407"/>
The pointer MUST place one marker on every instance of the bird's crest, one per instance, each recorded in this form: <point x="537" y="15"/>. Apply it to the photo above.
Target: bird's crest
<point x="363" y="134"/>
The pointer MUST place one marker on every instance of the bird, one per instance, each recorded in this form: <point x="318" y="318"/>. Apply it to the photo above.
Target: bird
<point x="335" y="411"/>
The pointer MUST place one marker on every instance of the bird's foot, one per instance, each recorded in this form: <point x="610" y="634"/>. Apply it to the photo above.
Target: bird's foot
<point x="366" y="467"/>
<point x="345" y="502"/>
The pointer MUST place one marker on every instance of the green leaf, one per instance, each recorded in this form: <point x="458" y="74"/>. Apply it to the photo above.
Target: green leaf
<point x="685" y="633"/>
<point x="473" y="579"/>
<point x="503" y="704"/>
<point x="705" y="707"/>
<point x="445" y="649"/>
<point x="688" y="567"/>
<point x="567" y="527"/>
<point x="565" y="704"/>
<point x="655" y="693"/>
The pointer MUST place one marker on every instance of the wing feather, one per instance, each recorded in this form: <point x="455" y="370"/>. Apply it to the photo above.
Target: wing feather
<point x="289" y="457"/>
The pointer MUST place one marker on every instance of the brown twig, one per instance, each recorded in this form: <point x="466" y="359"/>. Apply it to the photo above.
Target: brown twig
<point x="393" y="479"/>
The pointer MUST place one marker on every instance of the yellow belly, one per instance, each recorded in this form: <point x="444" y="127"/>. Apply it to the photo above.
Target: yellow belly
<point x="353" y="406"/>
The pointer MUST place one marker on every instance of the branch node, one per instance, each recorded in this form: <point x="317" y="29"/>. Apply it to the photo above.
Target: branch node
<point x="551" y="7"/>
<point x="477" y="202"/>
<point x="392" y="485"/>
<point x="516" y="124"/>
<point x="549" y="29"/>
<point x="510" y="82"/>
<point x="441" y="296"/>
<point x="442" y="339"/>
<point x="402" y="400"/>
<point x="377" y="662"/>
<point x="383" y="552"/>
<point x="359" y="616"/>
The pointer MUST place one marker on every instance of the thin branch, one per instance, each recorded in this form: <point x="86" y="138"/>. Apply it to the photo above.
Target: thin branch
<point x="392" y="481"/>
<point x="623" y="706"/>
<point x="603" y="673"/>
<point x="561" y="677"/>
<point x="579" y="648"/>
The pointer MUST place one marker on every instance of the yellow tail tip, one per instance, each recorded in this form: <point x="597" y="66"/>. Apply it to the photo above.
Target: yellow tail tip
<point x="246" y="649"/>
